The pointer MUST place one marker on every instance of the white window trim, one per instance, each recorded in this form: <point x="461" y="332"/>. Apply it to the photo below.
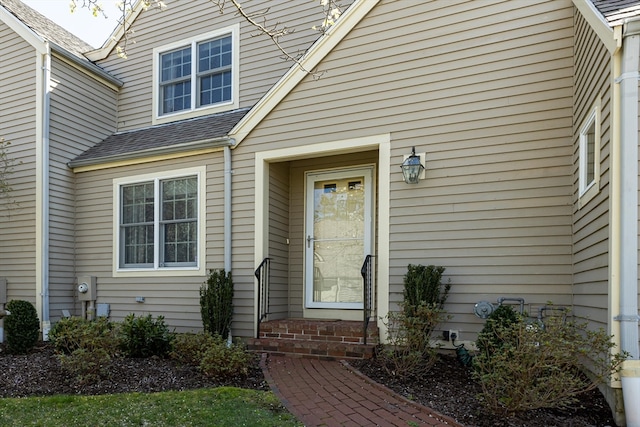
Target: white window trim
<point x="587" y="191"/>
<point x="199" y="269"/>
<point x="234" y="30"/>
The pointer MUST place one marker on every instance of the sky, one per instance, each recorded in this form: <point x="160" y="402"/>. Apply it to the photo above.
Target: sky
<point x="82" y="23"/>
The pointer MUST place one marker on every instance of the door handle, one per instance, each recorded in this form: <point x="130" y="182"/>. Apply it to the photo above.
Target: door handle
<point x="309" y="240"/>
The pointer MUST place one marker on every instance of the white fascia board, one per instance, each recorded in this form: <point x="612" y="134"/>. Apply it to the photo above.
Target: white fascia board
<point x="23" y="31"/>
<point x="320" y="49"/>
<point x="116" y="35"/>
<point x="597" y="22"/>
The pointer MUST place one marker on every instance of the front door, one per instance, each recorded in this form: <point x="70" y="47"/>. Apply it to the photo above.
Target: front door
<point x="339" y="211"/>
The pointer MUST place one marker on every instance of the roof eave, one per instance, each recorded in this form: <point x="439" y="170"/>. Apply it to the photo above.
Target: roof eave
<point x="87" y="66"/>
<point x="137" y="156"/>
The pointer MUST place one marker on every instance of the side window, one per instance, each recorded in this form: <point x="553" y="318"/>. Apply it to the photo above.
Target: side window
<point x="195" y="77"/>
<point x="589" y="157"/>
<point x="159" y="221"/>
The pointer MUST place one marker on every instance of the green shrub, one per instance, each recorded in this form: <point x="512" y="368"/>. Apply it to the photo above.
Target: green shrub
<point x="188" y="348"/>
<point x="502" y="317"/>
<point x="216" y="303"/>
<point x="409" y="352"/>
<point x="223" y="362"/>
<point x="145" y="337"/>
<point x="526" y="366"/>
<point x="22" y="326"/>
<point x="68" y="335"/>
<point x="423" y="285"/>
<point x="85" y="348"/>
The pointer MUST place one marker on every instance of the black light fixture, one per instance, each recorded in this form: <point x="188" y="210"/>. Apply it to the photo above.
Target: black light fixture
<point x="412" y="168"/>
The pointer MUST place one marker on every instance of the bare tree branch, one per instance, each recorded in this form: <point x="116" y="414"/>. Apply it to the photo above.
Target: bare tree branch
<point x="331" y="11"/>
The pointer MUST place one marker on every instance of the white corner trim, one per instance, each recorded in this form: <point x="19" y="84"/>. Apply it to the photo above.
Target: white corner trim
<point x="23" y="31"/>
<point x="321" y="48"/>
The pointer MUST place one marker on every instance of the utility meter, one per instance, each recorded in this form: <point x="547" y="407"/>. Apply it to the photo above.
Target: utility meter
<point x="86" y="288"/>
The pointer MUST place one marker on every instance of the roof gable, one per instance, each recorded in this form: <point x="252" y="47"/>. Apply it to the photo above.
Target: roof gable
<point x="317" y="52"/>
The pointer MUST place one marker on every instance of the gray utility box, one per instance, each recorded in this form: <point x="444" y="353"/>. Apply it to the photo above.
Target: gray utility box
<point x="86" y="288"/>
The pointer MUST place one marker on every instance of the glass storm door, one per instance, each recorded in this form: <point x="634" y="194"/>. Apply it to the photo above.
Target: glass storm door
<point x="338" y="237"/>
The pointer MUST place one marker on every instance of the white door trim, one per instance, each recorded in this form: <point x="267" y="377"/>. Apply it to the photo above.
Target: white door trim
<point x="311" y="177"/>
<point x="382" y="143"/>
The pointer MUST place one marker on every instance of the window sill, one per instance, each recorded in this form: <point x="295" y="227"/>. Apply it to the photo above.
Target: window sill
<point x="588" y="194"/>
<point x="165" y="272"/>
<point x="190" y="114"/>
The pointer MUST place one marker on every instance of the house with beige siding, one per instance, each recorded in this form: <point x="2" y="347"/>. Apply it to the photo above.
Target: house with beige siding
<point x="205" y="150"/>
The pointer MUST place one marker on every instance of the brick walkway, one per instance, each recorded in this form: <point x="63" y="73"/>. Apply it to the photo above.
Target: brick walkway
<point x="328" y="393"/>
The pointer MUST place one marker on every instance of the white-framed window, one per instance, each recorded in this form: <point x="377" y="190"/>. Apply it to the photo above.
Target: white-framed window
<point x="589" y="157"/>
<point x="159" y="222"/>
<point x="196" y="76"/>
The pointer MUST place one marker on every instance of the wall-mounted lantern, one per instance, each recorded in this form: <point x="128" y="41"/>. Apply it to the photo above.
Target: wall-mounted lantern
<point x="412" y="168"/>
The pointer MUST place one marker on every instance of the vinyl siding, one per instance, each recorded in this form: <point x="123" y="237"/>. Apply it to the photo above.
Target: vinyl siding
<point x="261" y="64"/>
<point x="176" y="298"/>
<point x="279" y="241"/>
<point x="591" y="222"/>
<point x="83" y="112"/>
<point x="485" y="88"/>
<point x="18" y="125"/>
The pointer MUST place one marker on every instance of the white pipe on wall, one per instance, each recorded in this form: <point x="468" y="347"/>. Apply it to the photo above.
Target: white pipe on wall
<point x="228" y="172"/>
<point x="628" y="240"/>
<point x="46" y="323"/>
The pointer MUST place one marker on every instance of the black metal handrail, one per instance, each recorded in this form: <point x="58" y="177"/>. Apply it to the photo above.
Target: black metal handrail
<point x="262" y="273"/>
<point x="367" y="276"/>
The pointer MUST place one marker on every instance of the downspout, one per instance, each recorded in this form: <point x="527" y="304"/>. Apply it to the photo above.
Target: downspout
<point x="628" y="237"/>
<point x="43" y="66"/>
<point x="228" y="172"/>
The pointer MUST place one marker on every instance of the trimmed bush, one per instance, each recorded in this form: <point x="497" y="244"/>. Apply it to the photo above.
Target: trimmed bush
<point x="188" y="348"/>
<point x="68" y="335"/>
<point x="524" y="366"/>
<point x="213" y="355"/>
<point x="489" y="338"/>
<point x="85" y="348"/>
<point x="423" y="285"/>
<point x="409" y="352"/>
<point x="224" y="362"/>
<point x="216" y="303"/>
<point x="145" y="337"/>
<point x="22" y="326"/>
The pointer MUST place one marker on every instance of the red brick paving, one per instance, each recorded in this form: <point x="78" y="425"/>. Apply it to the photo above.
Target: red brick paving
<point x="328" y="393"/>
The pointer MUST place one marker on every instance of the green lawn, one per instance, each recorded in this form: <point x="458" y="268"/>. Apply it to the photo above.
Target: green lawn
<point x="224" y="406"/>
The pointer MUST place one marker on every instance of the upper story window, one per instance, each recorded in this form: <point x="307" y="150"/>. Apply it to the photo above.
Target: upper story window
<point x="159" y="223"/>
<point x="589" y="157"/>
<point x="196" y="77"/>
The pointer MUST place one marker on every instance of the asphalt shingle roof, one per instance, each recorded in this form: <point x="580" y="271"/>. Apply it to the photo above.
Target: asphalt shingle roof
<point x="140" y="142"/>
<point x="616" y="11"/>
<point x="46" y="28"/>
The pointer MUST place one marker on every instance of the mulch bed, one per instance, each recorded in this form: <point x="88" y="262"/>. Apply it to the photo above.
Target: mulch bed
<point x="448" y="388"/>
